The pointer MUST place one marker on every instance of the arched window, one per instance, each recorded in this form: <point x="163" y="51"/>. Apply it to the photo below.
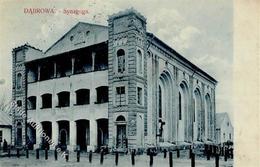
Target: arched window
<point x="19" y="103"/>
<point x="64" y="99"/>
<point x="120" y="118"/>
<point x="120" y="61"/>
<point x="31" y="103"/>
<point x="180" y="106"/>
<point x="210" y="122"/>
<point x="47" y="100"/>
<point x="102" y="94"/>
<point x="160" y="102"/>
<point x="82" y="96"/>
<point x="139" y="62"/>
<point x="19" y="81"/>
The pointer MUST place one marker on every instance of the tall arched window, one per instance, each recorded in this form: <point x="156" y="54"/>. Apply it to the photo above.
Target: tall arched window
<point x="139" y="62"/>
<point x="160" y="102"/>
<point x="208" y="108"/>
<point x="120" y="61"/>
<point x="180" y="106"/>
<point x="19" y="81"/>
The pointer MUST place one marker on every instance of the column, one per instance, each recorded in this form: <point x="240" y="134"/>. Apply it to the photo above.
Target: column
<point x="39" y="72"/>
<point x="191" y="110"/>
<point x="55" y="134"/>
<point x="72" y="134"/>
<point x="93" y="54"/>
<point x="72" y="98"/>
<point x="38" y="135"/>
<point x="55" y="69"/>
<point x="72" y="65"/>
<point x="93" y="134"/>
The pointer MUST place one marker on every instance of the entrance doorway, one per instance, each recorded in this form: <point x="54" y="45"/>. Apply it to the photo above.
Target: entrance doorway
<point x="19" y="133"/>
<point x="102" y="125"/>
<point x="63" y="134"/>
<point x="47" y="129"/>
<point x="121" y="139"/>
<point x="83" y="134"/>
<point x="121" y="136"/>
<point x="31" y="136"/>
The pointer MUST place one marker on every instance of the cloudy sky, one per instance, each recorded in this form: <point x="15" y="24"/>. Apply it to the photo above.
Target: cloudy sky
<point x="202" y="32"/>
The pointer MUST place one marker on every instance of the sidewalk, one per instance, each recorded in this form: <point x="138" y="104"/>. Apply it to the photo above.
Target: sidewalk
<point x="109" y="161"/>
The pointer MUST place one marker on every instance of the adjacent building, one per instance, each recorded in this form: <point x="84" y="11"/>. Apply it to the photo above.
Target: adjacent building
<point x="224" y="128"/>
<point x="115" y="85"/>
<point x="5" y="128"/>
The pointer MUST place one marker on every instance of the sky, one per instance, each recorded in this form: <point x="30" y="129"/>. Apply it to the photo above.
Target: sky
<point x="202" y="32"/>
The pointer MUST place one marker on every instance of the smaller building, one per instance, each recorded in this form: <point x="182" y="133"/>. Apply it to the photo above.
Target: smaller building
<point x="224" y="128"/>
<point x="5" y="128"/>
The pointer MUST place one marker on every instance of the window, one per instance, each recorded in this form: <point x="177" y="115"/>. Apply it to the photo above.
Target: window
<point x="227" y="123"/>
<point x="120" y="96"/>
<point x="47" y="70"/>
<point x="120" y="61"/>
<point x="64" y="99"/>
<point x="139" y="62"/>
<point x="19" y="103"/>
<point x="230" y="136"/>
<point x="180" y="106"/>
<point x="139" y="96"/>
<point x="82" y="96"/>
<point x="31" y="103"/>
<point x="47" y="101"/>
<point x="224" y="136"/>
<point x="19" y="81"/>
<point x="160" y="102"/>
<point x="1" y="136"/>
<point x="120" y="118"/>
<point x="194" y="111"/>
<point x="102" y="94"/>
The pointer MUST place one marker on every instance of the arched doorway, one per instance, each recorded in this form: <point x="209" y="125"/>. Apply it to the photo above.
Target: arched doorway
<point x="121" y="138"/>
<point x="31" y="136"/>
<point x="64" y="132"/>
<point x="102" y="132"/>
<point x="19" y="134"/>
<point x="47" y="129"/>
<point x="83" y="136"/>
<point x="63" y="136"/>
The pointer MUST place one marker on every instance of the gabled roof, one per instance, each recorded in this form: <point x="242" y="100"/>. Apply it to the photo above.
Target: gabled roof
<point x="220" y="117"/>
<point x="79" y="36"/>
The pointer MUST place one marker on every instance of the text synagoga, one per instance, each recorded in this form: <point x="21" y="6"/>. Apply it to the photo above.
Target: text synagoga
<point x="115" y="85"/>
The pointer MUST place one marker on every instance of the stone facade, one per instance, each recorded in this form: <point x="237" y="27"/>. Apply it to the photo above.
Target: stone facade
<point x="119" y="86"/>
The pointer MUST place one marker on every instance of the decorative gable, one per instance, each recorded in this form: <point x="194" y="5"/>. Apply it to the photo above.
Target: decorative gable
<point x="80" y="36"/>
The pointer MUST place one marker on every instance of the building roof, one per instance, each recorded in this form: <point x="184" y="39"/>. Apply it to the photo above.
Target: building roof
<point x="5" y="119"/>
<point x="182" y="58"/>
<point x="77" y="38"/>
<point x="220" y="117"/>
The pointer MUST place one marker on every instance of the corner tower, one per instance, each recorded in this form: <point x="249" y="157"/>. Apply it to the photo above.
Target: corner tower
<point x="127" y="79"/>
<point x="19" y="96"/>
